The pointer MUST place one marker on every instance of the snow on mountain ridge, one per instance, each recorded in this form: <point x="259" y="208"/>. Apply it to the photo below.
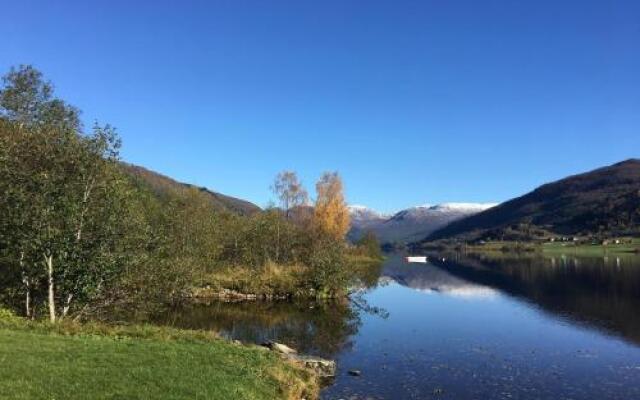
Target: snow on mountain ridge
<point x="360" y="211"/>
<point x="410" y="224"/>
<point x="466" y="206"/>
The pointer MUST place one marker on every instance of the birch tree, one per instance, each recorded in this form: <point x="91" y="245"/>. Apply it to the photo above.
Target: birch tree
<point x="289" y="191"/>
<point x="331" y="215"/>
<point x="62" y="199"/>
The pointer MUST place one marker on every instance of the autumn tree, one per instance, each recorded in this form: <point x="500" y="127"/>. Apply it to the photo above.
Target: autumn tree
<point x="331" y="215"/>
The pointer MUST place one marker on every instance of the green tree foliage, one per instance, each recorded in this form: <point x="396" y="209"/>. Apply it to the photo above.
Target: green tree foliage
<point x="63" y="203"/>
<point x="265" y="237"/>
<point x="329" y="272"/>
<point x="369" y="246"/>
<point x="27" y="99"/>
<point x="62" y="209"/>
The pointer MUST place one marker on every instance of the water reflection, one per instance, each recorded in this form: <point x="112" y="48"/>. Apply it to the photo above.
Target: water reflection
<point x="470" y="327"/>
<point x="425" y="278"/>
<point x="600" y="292"/>
<point x="320" y="328"/>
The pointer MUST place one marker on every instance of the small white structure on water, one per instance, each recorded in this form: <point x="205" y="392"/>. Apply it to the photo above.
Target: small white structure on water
<point x="416" y="259"/>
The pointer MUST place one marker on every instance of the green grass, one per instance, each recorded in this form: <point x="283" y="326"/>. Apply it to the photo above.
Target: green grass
<point x="568" y="248"/>
<point x="84" y="364"/>
<point x="592" y="250"/>
<point x="502" y="246"/>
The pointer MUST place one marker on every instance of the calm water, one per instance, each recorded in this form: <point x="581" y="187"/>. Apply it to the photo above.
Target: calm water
<point x="465" y="328"/>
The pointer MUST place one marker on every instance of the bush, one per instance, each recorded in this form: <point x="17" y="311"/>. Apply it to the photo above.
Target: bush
<point x="329" y="274"/>
<point x="369" y="246"/>
<point x="9" y="319"/>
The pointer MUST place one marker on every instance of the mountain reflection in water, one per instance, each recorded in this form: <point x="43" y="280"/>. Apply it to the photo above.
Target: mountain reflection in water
<point x="427" y="279"/>
<point x="598" y="292"/>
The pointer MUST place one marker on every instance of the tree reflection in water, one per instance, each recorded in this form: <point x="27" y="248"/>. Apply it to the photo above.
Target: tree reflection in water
<point x="316" y="327"/>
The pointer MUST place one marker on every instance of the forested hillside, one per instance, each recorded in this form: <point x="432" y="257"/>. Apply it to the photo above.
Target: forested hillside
<point x="604" y="202"/>
<point x="162" y="185"/>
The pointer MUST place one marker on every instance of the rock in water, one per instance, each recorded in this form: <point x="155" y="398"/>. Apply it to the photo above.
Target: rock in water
<point x="323" y="368"/>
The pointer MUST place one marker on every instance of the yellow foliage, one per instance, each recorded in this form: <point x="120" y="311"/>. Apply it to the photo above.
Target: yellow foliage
<point x="331" y="215"/>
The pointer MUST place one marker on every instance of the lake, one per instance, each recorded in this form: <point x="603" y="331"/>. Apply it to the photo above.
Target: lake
<point x="463" y="327"/>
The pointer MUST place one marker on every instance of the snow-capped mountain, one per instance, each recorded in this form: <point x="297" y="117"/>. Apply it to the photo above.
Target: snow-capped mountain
<point x="365" y="214"/>
<point x="364" y="219"/>
<point x="412" y="224"/>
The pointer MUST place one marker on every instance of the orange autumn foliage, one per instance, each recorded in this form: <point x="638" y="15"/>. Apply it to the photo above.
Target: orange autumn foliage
<point x="331" y="215"/>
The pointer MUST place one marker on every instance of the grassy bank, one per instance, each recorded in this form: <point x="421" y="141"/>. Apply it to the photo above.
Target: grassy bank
<point x="272" y="280"/>
<point x="592" y="250"/>
<point x="71" y="361"/>
<point x="278" y="281"/>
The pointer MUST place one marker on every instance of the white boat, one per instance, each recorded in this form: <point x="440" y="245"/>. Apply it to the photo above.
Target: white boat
<point x="416" y="259"/>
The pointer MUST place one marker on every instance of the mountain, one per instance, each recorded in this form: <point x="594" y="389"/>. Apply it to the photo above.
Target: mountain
<point x="162" y="184"/>
<point x="363" y="219"/>
<point x="411" y="224"/>
<point x="606" y="201"/>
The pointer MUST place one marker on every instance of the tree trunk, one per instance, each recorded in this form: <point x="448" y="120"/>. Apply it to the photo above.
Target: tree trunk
<point x="67" y="306"/>
<point x="27" y="302"/>
<point x="278" y="241"/>
<point x="85" y="199"/>
<point x="52" y="304"/>
<point x="27" y="287"/>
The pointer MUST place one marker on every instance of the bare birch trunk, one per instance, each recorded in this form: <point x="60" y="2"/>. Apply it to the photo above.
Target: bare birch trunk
<point x="52" y="304"/>
<point x="67" y="306"/>
<point x="27" y="301"/>
<point x="85" y="199"/>
<point x="27" y="287"/>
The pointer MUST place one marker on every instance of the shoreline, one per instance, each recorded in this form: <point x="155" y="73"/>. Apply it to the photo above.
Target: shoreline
<point x="631" y="248"/>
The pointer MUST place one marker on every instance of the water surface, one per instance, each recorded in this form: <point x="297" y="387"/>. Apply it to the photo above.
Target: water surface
<point x="466" y="327"/>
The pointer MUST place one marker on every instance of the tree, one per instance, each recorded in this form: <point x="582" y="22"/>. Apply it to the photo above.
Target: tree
<point x="370" y="245"/>
<point x="63" y="199"/>
<point x="65" y="202"/>
<point x="289" y="191"/>
<point x="16" y="215"/>
<point x="27" y="99"/>
<point x="331" y="215"/>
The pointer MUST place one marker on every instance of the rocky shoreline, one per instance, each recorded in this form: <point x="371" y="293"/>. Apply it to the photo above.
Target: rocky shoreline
<point x="233" y="295"/>
<point x="323" y="368"/>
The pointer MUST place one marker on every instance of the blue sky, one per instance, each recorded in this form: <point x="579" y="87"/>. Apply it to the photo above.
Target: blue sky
<point x="413" y="102"/>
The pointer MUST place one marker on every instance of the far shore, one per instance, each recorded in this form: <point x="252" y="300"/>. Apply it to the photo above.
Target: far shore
<point x="626" y="246"/>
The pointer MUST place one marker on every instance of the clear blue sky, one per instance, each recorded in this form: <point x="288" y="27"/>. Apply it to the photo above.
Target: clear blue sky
<point x="413" y="102"/>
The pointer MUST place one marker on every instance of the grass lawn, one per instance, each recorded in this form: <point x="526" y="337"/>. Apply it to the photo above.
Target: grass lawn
<point x="556" y="248"/>
<point x="38" y="365"/>
<point x="591" y="250"/>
